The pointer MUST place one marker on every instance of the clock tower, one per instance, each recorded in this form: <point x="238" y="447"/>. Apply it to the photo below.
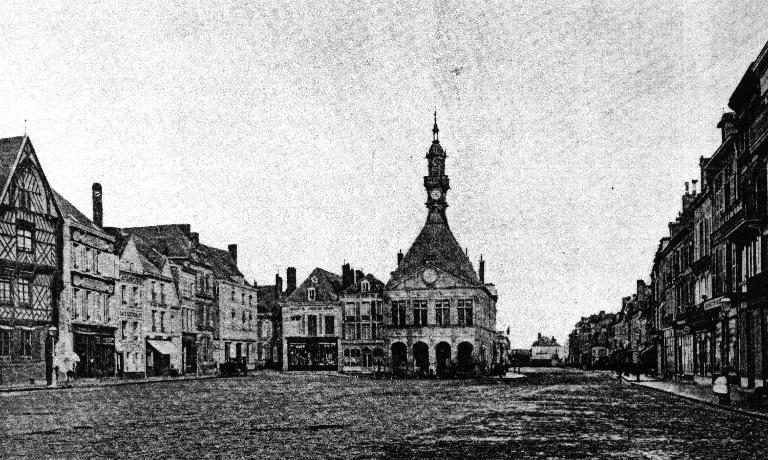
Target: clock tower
<point x="436" y="182"/>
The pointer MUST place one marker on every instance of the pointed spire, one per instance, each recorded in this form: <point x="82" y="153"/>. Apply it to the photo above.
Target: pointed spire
<point x="435" y="129"/>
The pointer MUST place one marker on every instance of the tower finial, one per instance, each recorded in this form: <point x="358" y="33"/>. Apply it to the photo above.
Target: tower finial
<point x="435" y="129"/>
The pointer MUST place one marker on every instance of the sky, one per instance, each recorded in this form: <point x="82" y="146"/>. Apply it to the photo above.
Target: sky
<point x="299" y="130"/>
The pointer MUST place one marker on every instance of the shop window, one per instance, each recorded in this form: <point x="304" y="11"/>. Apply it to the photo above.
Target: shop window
<point x="26" y="344"/>
<point x="5" y="342"/>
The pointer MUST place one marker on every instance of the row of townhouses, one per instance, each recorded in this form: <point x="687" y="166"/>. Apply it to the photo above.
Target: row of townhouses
<point x="705" y="309"/>
<point x="148" y="301"/>
<point x="105" y="301"/>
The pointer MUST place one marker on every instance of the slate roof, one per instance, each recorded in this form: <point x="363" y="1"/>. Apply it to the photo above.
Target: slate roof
<point x="150" y="258"/>
<point x="69" y="210"/>
<point x="327" y="287"/>
<point x="223" y="264"/>
<point x="376" y="285"/>
<point x="546" y="342"/>
<point x="9" y="150"/>
<point x="266" y="297"/>
<point x="169" y="240"/>
<point x="437" y="246"/>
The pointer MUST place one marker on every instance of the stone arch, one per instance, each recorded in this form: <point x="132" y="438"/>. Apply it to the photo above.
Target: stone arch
<point x="399" y="353"/>
<point x="421" y="356"/>
<point x="465" y="350"/>
<point x="443" y="357"/>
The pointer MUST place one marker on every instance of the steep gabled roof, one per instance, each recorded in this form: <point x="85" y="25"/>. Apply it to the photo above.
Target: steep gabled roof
<point x="224" y="266"/>
<point x="9" y="151"/>
<point x="327" y="287"/>
<point x="169" y="240"/>
<point x="436" y="246"/>
<point x="68" y="210"/>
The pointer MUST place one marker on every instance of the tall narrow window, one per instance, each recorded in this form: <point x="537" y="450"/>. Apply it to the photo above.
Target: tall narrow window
<point x="5" y="290"/>
<point x="162" y="321"/>
<point x="311" y="325"/>
<point x="154" y="320"/>
<point x="24" y="239"/>
<point x="398" y="312"/>
<point x="464" y="311"/>
<point x="311" y="294"/>
<point x="330" y="325"/>
<point x="443" y="312"/>
<point x="26" y="344"/>
<point x="419" y="312"/>
<point x="23" y="291"/>
<point x="5" y="342"/>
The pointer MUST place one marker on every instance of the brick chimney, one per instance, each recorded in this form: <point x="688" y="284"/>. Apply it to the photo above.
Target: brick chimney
<point x="290" y="276"/>
<point x="278" y="286"/>
<point x="346" y="276"/>
<point x="482" y="270"/>
<point x="98" y="210"/>
<point x="233" y="252"/>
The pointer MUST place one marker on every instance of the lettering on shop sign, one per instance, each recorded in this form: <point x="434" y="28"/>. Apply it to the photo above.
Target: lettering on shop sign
<point x="92" y="241"/>
<point x="92" y="284"/>
<point x="131" y="314"/>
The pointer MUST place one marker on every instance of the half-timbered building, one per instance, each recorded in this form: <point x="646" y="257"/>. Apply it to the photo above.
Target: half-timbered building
<point x="30" y="264"/>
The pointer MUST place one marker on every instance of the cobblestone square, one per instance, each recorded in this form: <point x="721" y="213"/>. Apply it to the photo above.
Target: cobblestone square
<point x="567" y="415"/>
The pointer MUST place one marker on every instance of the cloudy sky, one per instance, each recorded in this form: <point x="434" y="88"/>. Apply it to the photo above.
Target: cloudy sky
<point x="299" y="130"/>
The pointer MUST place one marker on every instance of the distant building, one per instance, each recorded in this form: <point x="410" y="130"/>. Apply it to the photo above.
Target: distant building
<point x="363" y="335"/>
<point x="545" y="351"/>
<point x="311" y="323"/>
<point x="237" y="306"/>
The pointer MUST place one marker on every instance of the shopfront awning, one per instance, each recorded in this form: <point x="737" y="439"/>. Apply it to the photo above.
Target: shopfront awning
<point x="164" y="347"/>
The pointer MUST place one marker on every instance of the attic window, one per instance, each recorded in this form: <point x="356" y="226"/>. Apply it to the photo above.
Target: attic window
<point x="365" y="286"/>
<point x="311" y="294"/>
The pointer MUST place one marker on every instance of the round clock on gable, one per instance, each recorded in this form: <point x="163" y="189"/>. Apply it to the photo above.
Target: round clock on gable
<point x="429" y="276"/>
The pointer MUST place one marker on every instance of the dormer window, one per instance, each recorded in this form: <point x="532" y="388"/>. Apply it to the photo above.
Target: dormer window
<point x="311" y="294"/>
<point x="365" y="286"/>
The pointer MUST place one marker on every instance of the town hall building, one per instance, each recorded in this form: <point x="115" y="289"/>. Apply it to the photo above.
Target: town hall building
<point x="441" y="313"/>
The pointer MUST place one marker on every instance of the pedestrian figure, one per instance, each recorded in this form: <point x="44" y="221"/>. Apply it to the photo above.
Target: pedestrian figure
<point x="720" y="388"/>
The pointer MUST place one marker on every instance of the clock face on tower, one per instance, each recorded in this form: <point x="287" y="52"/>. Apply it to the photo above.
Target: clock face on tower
<point x="434" y="194"/>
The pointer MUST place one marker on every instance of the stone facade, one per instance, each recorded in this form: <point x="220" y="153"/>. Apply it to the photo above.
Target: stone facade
<point x="87" y="319"/>
<point x="440" y="315"/>
<point x="311" y="324"/>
